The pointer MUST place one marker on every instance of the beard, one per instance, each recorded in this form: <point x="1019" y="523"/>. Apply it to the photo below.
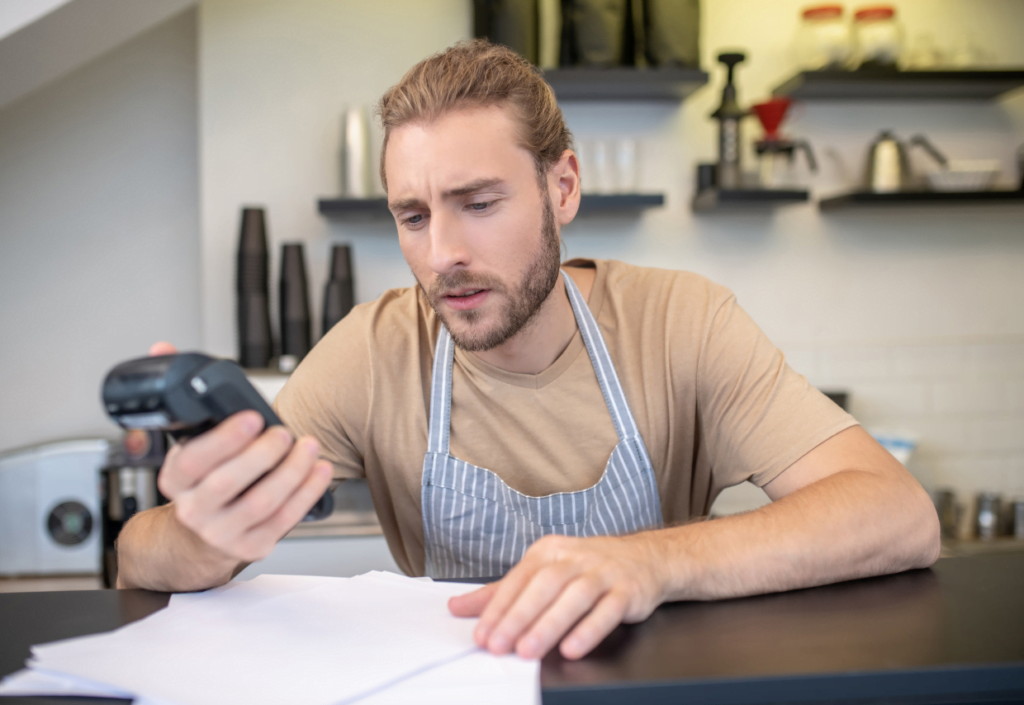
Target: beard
<point x="522" y="303"/>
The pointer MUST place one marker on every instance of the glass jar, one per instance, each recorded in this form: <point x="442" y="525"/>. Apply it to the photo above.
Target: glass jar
<point x="823" y="38"/>
<point x="878" y="38"/>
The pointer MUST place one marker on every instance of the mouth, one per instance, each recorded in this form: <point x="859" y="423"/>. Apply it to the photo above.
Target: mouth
<point x="464" y="299"/>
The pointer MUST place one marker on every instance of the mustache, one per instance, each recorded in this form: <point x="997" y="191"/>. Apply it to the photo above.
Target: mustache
<point x="463" y="280"/>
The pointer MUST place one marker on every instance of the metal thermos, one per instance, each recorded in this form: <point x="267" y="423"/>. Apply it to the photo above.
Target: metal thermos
<point x="888" y="165"/>
<point x="356" y="154"/>
<point x="729" y="114"/>
<point x="987" y="517"/>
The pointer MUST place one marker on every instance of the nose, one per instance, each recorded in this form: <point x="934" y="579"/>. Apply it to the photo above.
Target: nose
<point x="448" y="243"/>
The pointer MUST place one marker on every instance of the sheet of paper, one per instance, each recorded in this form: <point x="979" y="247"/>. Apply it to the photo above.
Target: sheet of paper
<point x="308" y="641"/>
<point x="479" y="677"/>
<point x="38" y="682"/>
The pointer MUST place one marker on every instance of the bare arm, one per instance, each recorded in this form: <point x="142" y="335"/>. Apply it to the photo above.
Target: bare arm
<point x="155" y="551"/>
<point x="847" y="509"/>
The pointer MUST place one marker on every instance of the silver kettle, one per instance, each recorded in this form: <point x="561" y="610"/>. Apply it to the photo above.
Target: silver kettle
<point x="888" y="167"/>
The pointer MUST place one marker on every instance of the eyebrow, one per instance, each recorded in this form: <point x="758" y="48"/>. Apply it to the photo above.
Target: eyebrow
<point x="465" y="190"/>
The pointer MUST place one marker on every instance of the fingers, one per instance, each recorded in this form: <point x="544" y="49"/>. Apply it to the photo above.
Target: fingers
<point x="187" y="465"/>
<point x="268" y="495"/>
<point x="505" y="592"/>
<point x="472" y="603"/>
<point x="593" y="628"/>
<point x="580" y="587"/>
<point x="572" y="603"/>
<point x="221" y="486"/>
<point x="248" y="527"/>
<point x="162" y="348"/>
<point x="261" y="539"/>
<point x="530" y="603"/>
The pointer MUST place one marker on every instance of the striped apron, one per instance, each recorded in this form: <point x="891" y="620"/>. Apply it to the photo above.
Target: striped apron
<point x="474" y="525"/>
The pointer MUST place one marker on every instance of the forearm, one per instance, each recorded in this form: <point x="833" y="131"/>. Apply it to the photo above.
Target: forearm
<point x="849" y="525"/>
<point x="156" y="552"/>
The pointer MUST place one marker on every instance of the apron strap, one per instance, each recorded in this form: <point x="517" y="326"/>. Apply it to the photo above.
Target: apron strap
<point x="441" y="394"/>
<point x="607" y="377"/>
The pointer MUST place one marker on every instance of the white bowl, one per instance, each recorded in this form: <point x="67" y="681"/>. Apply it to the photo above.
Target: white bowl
<point x="964" y="175"/>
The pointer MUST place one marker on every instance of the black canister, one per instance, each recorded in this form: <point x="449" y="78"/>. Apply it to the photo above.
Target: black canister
<point x="600" y="31"/>
<point x="296" y="334"/>
<point x="255" y="344"/>
<point x="509" y="22"/>
<point x="672" y="36"/>
<point x="339" y="292"/>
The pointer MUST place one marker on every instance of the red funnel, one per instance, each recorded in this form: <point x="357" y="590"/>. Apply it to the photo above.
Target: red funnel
<point x="771" y="113"/>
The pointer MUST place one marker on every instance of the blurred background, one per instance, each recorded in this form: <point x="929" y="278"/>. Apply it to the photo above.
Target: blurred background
<point x="133" y="134"/>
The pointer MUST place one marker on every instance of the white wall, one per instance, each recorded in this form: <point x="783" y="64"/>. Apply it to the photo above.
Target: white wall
<point x="99" y="247"/>
<point x="274" y="80"/>
<point x="916" y="312"/>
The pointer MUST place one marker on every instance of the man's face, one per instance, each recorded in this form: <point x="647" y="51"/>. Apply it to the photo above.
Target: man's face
<point x="474" y="225"/>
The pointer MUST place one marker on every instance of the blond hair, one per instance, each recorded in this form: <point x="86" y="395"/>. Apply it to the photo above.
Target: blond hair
<point x="476" y="73"/>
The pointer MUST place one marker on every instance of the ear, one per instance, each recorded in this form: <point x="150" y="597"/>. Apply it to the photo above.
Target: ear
<point x="564" y="186"/>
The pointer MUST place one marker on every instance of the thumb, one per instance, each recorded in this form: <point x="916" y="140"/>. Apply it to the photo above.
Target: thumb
<point x="162" y="348"/>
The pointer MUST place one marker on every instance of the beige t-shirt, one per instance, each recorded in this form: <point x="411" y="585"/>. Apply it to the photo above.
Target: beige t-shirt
<point x="715" y="402"/>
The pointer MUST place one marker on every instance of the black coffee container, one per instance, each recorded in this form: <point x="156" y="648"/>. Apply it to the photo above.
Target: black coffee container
<point x="509" y="22"/>
<point x="672" y="36"/>
<point x="255" y="344"/>
<point x="600" y="28"/>
<point x="339" y="293"/>
<point x="296" y="336"/>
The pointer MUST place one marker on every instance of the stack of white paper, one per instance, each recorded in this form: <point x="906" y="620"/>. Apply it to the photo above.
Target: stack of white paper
<point x="376" y="638"/>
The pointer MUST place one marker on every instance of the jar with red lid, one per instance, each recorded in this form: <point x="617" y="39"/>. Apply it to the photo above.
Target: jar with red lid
<point x="823" y="38"/>
<point x="877" y="38"/>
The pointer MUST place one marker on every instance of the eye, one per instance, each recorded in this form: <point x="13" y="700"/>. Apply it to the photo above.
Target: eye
<point x="479" y="207"/>
<point x="414" y="221"/>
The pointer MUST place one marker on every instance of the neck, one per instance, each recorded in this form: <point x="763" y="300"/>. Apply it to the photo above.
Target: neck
<point x="534" y="348"/>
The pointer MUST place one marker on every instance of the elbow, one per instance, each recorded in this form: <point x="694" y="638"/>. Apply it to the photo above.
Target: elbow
<point x="928" y="545"/>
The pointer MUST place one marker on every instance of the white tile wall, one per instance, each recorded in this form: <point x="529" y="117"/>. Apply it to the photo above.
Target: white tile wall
<point x="964" y="403"/>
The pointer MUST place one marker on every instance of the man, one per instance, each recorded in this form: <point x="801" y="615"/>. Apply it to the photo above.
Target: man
<point x="559" y="427"/>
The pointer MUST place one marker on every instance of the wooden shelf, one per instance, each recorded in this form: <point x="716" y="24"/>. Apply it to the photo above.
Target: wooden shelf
<point x="862" y="199"/>
<point x="901" y="85"/>
<point x="662" y="84"/>
<point x="590" y="204"/>
<point x="714" y="199"/>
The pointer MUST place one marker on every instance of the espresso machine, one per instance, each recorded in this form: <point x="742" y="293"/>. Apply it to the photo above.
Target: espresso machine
<point x="128" y="486"/>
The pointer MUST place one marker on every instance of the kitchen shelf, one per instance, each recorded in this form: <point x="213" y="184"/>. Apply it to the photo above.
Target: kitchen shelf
<point x="860" y="199"/>
<point x="345" y="207"/>
<point x="661" y="84"/>
<point x="900" y="85"/>
<point x="625" y="203"/>
<point x="714" y="199"/>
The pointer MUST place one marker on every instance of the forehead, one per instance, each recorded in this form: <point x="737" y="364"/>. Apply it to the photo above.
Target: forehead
<point x="457" y="146"/>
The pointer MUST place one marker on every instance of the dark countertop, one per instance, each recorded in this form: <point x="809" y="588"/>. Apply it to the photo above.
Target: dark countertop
<point x="951" y="634"/>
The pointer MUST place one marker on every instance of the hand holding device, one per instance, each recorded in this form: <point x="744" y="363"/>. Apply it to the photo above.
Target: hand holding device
<point x="238" y="490"/>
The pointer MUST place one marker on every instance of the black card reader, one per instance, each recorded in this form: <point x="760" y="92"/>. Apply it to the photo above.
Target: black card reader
<point x="186" y="394"/>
